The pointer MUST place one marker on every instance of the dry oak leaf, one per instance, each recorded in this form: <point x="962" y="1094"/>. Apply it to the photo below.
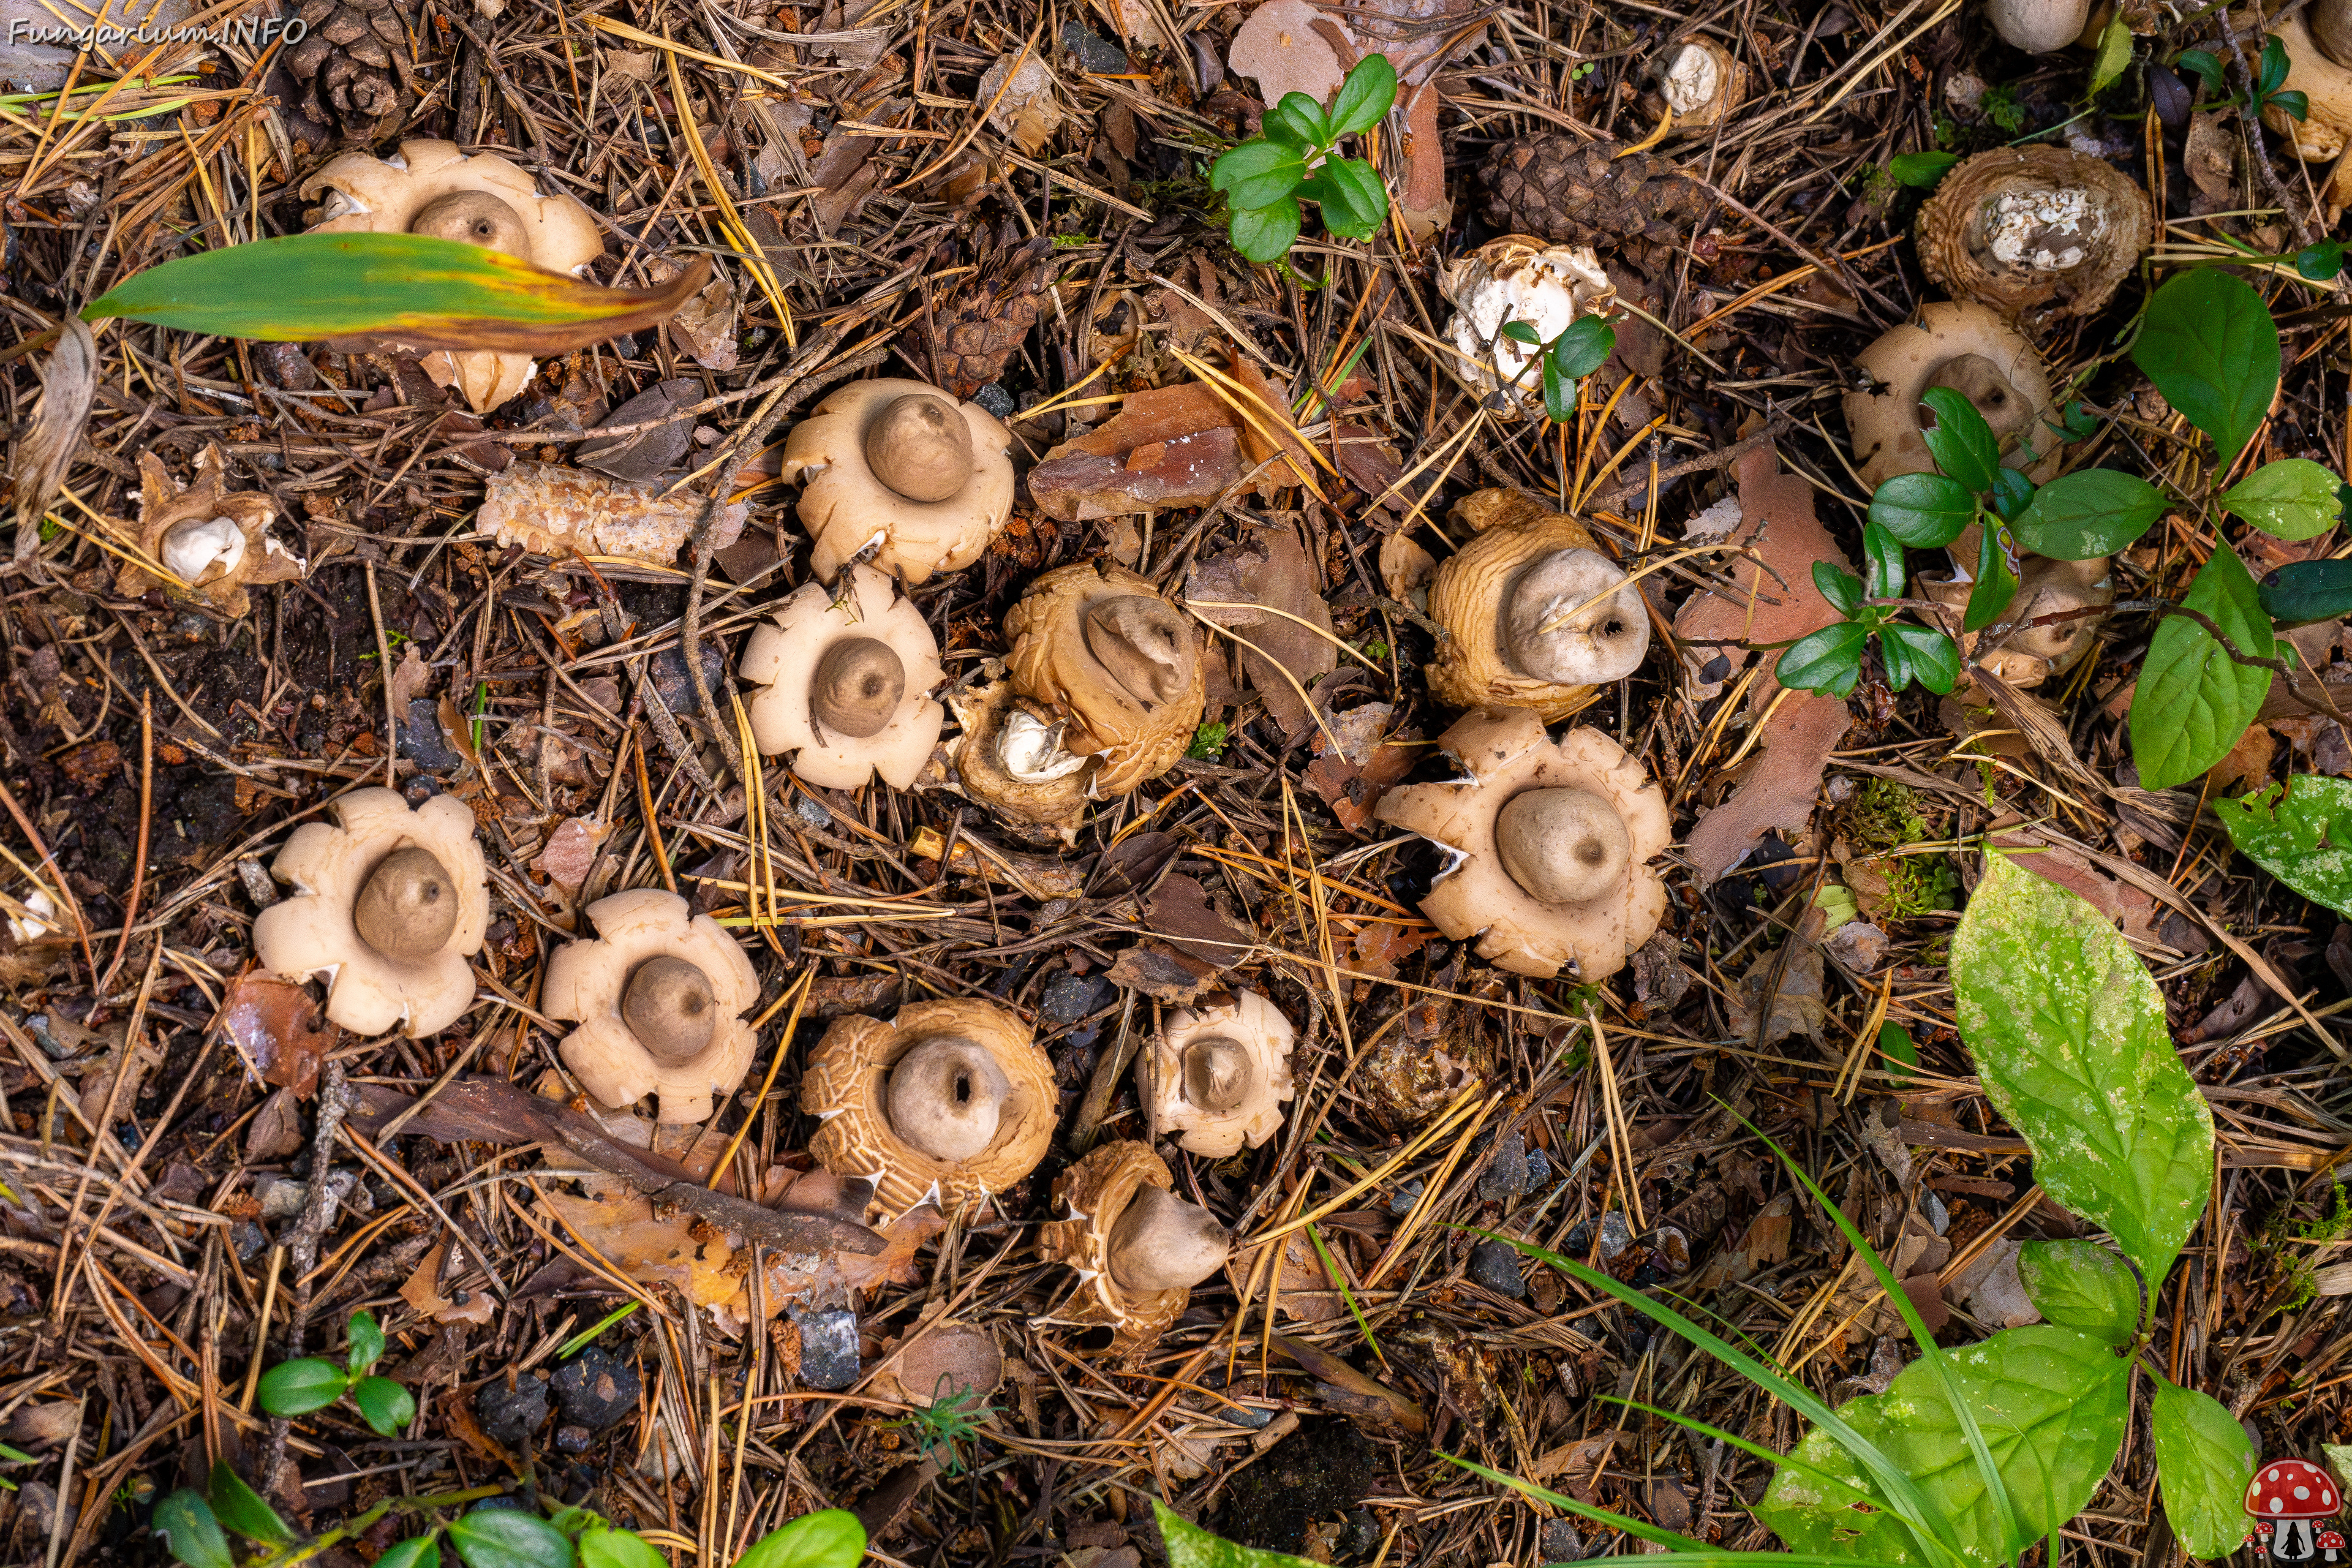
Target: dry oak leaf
<point x="1274" y="573"/>
<point x="276" y="1027"/>
<point x="423" y="1292"/>
<point x="1781" y="786"/>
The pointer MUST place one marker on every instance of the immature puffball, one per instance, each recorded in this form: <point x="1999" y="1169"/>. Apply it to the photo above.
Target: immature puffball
<point x="1519" y="279"/>
<point x="1160" y="1242"/>
<point x="2039" y="27"/>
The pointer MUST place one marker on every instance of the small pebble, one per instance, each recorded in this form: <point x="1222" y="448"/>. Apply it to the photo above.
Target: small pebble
<point x="1506" y="1175"/>
<point x="829" y="1349"/>
<point x="1070" y="998"/>
<point x="1614" y="1237"/>
<point x="994" y="397"/>
<point x="595" y="1389"/>
<point x="421" y="741"/>
<point x="1406" y="1196"/>
<point x="509" y="1415"/>
<point x="572" y="1439"/>
<point x="1496" y="1266"/>
<point x="1538" y="1169"/>
<point x="1557" y="1542"/>
<point x="1095" y="53"/>
<point x="249" y="1240"/>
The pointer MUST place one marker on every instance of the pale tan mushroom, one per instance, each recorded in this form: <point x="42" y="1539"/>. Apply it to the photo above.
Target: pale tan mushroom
<point x="2318" y="43"/>
<point x="1968" y="348"/>
<point x="1519" y="279"/>
<point x="1534" y="615"/>
<point x="899" y="475"/>
<point x="658" y="997"/>
<point x="214" y="540"/>
<point x="2033" y="229"/>
<point x="2028" y="655"/>
<point x="1138" y="1248"/>
<point x="2045" y="26"/>
<point x="948" y="1102"/>
<point x="846" y="676"/>
<point x="949" y="1363"/>
<point x="1702" y="83"/>
<point x="1008" y="755"/>
<point x="433" y="188"/>
<point x="1099" y="647"/>
<point x="1283" y="50"/>
<point x="1551" y="839"/>
<point x="1218" y="1074"/>
<point x="388" y="903"/>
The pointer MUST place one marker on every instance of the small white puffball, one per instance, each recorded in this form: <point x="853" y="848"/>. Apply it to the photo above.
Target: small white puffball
<point x="191" y="549"/>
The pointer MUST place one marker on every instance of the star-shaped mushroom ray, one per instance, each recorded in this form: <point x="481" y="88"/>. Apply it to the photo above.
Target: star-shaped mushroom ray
<point x="783" y="653"/>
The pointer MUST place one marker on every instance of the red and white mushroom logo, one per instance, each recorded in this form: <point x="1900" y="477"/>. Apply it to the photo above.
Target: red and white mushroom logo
<point x="2331" y="1545"/>
<point x="2289" y="1494"/>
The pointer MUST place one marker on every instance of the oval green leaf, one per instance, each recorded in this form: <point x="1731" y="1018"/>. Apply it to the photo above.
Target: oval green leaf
<point x="2298" y="832"/>
<point x="1882" y="555"/>
<point x="2203" y="1461"/>
<point x="830" y="1538"/>
<point x="1828" y="661"/>
<point x="387" y="1406"/>
<point x="1922" y="171"/>
<point x="2306" y="591"/>
<point x="1841" y="587"/>
<point x="1962" y="444"/>
<point x="602" y="1546"/>
<point x="186" y="1524"/>
<point x="1364" y="96"/>
<point x="298" y="1387"/>
<point x="1928" y="655"/>
<point x="2209" y="344"/>
<point x="420" y="1552"/>
<point x="241" y="1509"/>
<point x="366" y="1343"/>
<point x="1584" y="347"/>
<point x="2194" y="700"/>
<point x="2294" y="498"/>
<point x="1265" y="234"/>
<point x="2088" y="513"/>
<point x="1190" y="1546"/>
<point x="1257" y="175"/>
<point x="2082" y="1285"/>
<point x="1308" y="114"/>
<point x="433" y="293"/>
<point x="1363" y="201"/>
<point x="509" y="1538"/>
<point x="1996" y="587"/>
<point x="1923" y="510"/>
<point x="2070" y="1041"/>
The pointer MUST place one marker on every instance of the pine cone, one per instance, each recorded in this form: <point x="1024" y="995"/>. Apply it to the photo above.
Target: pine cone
<point x="346" y="65"/>
<point x="1571" y="191"/>
<point x="977" y="334"/>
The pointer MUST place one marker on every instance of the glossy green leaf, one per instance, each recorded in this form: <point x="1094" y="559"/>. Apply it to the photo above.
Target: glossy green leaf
<point x="1190" y="1546"/>
<point x="1929" y="655"/>
<point x="2088" y="513"/>
<point x="2306" y="591"/>
<point x="420" y="1552"/>
<point x="2321" y="262"/>
<point x="1882" y="555"/>
<point x="2275" y="66"/>
<point x="2082" y="1285"/>
<point x="1962" y="444"/>
<point x="2301" y="833"/>
<point x="2071" y="1045"/>
<point x="1895" y="656"/>
<point x="1364" y="201"/>
<point x="366" y="1343"/>
<point x="1996" y="587"/>
<point x="2194" y="700"/>
<point x="2012" y="493"/>
<point x="1828" y="661"/>
<point x="830" y="1538"/>
<point x="1926" y="511"/>
<point x="1257" y="175"/>
<point x="434" y="293"/>
<point x="2294" y="498"/>
<point x="1280" y="125"/>
<point x="387" y="1406"/>
<point x="241" y="1509"/>
<point x="2051" y="1401"/>
<point x="1364" y="96"/>
<point x="2295" y="103"/>
<point x="1922" y="171"/>
<point x="602" y="1546"/>
<point x="509" y="1538"/>
<point x="2203" y="1461"/>
<point x="1584" y="347"/>
<point x="1895" y="1044"/>
<point x="185" y="1522"/>
<point x="1559" y="392"/>
<point x="1841" y="587"/>
<point x="2114" y="54"/>
<point x="2204" y="64"/>
<point x="1266" y="234"/>
<point x="298" y="1387"/>
<point x="2209" y="344"/>
<point x="1522" y="332"/>
<point x="1304" y="111"/>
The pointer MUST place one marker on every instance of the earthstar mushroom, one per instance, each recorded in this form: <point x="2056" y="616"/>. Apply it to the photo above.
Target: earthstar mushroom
<point x="901" y="476"/>
<point x="1218" y="1073"/>
<point x="215" y="539"/>
<point x="2037" y="228"/>
<point x="949" y="1101"/>
<point x="658" y="996"/>
<point x="1702" y="82"/>
<point x="1519" y="279"/>
<point x="1593" y="898"/>
<point x="1536" y="616"/>
<point x="433" y="188"/>
<point x="844" y="677"/>
<point x="1008" y="756"/>
<point x="2042" y="27"/>
<point x="1138" y="1248"/>
<point x="1097" y="645"/>
<point x="389" y="903"/>
<point x="1965" y="346"/>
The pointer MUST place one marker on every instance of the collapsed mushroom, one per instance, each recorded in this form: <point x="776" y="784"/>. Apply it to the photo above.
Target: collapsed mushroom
<point x="951" y="1363"/>
<point x="388" y="903"/>
<point x="1007" y="755"/>
<point x="1218" y="1074"/>
<point x="2028" y="655"/>
<point x="1551" y="840"/>
<point x="1971" y="350"/>
<point x="1138" y="1248"/>
<point x="1534" y="615"/>
<point x="1519" y="279"/>
<point x="846" y="676"/>
<point x="2034" y="229"/>
<point x="948" y="1102"/>
<point x="2318" y="43"/>
<point x="215" y="541"/>
<point x="2044" y="26"/>
<point x="1703" y="82"/>
<point x="1118" y="666"/>
<point x="900" y="474"/>
<point x="432" y="188"/>
<point x="658" y="996"/>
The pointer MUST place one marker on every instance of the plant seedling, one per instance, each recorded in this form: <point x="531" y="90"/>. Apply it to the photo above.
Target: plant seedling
<point x="1580" y="350"/>
<point x="1294" y="158"/>
<point x="313" y="1383"/>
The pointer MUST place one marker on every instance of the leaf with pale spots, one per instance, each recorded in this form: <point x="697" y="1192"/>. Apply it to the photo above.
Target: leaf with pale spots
<point x="2070" y="1041"/>
<point x="2301" y="833"/>
<point x="2203" y="1461"/>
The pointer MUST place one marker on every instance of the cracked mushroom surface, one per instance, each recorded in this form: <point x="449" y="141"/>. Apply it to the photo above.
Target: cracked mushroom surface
<point x="948" y="1102"/>
<point x="1136" y="1248"/>
<point x="899" y="475"/>
<point x="389" y="904"/>
<point x="1098" y="646"/>
<point x="1551" y="843"/>
<point x="214" y="540"/>
<point x="434" y="188"/>
<point x="846" y="674"/>
<point x="657" y="997"/>
<point x="1217" y="1075"/>
<point x="1968" y="348"/>
<point x="1536" y="616"/>
<point x="2033" y="229"/>
<point x="1519" y="279"/>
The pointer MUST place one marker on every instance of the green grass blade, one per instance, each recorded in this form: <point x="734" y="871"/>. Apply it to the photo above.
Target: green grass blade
<point x="1339" y="1279"/>
<point x="1758" y="1450"/>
